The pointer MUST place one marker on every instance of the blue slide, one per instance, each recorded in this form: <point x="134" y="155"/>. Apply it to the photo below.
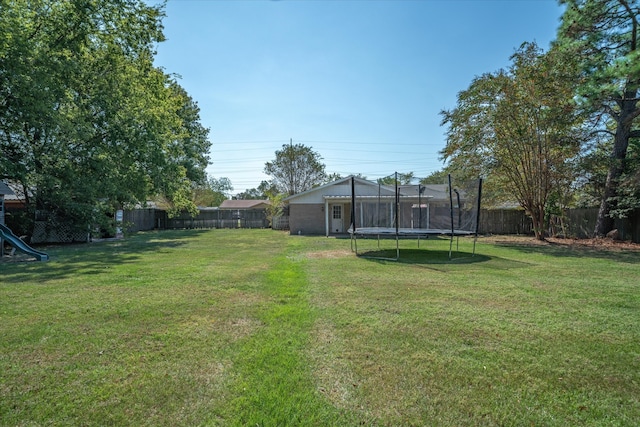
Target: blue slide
<point x="16" y="242"/>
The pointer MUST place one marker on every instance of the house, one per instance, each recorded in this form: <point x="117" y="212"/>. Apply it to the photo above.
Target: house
<point x="14" y="199"/>
<point x="327" y="210"/>
<point x="4" y="191"/>
<point x="244" y="213"/>
<point x="245" y="204"/>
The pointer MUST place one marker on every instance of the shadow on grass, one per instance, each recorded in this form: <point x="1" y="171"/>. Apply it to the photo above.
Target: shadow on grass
<point x="93" y="258"/>
<point x="462" y="253"/>
<point x="424" y="256"/>
<point x="438" y="260"/>
<point x="573" y="251"/>
<point x="424" y="253"/>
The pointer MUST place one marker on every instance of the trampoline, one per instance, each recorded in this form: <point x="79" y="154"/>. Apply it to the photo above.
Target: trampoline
<point x="416" y="212"/>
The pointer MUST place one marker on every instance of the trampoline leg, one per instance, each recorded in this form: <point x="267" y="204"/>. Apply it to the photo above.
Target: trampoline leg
<point x="397" y="248"/>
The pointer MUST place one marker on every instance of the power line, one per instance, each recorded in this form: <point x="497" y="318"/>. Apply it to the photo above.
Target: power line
<point x="368" y="143"/>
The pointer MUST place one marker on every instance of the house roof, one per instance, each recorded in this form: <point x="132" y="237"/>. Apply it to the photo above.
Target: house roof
<point x="430" y="191"/>
<point x="245" y="204"/>
<point x="331" y="184"/>
<point x="436" y="191"/>
<point x="5" y="190"/>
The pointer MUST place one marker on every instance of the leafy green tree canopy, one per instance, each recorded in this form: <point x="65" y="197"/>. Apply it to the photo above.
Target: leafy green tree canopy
<point x="295" y="169"/>
<point x="266" y="190"/>
<point x="518" y="127"/>
<point x="213" y="192"/>
<point x="87" y="123"/>
<point x="603" y="35"/>
<point x="403" y="178"/>
<point x="437" y="177"/>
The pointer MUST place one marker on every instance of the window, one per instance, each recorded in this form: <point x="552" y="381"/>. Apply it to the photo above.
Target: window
<point x="337" y="211"/>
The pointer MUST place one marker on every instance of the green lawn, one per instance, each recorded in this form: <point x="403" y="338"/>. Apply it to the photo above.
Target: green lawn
<point x="259" y="328"/>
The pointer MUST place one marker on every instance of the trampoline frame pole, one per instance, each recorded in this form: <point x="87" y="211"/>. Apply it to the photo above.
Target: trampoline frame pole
<point x="459" y="218"/>
<point x="451" y="214"/>
<point x="419" y="211"/>
<point x="353" y="216"/>
<point x="475" y="238"/>
<point x="397" y="218"/>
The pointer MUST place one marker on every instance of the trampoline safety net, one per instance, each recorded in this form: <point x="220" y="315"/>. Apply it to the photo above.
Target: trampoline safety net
<point x="450" y="208"/>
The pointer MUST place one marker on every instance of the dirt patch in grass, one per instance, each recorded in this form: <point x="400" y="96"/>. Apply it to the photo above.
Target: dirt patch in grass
<point x="337" y="253"/>
<point x="241" y="327"/>
<point x="604" y="244"/>
<point x="17" y="258"/>
<point x="333" y="376"/>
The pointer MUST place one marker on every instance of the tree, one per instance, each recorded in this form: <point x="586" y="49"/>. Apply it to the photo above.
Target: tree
<point x="628" y="196"/>
<point x="276" y="206"/>
<point x="437" y="177"/>
<point x="403" y="178"/>
<point x="604" y="35"/>
<point x="265" y="191"/>
<point x="332" y="177"/>
<point x="213" y="193"/>
<point x="519" y="128"/>
<point x="296" y="168"/>
<point x="87" y="123"/>
<point x="250" y="194"/>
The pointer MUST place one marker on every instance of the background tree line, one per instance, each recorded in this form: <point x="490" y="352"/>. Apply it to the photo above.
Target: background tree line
<point x="558" y="128"/>
<point x="87" y="123"/>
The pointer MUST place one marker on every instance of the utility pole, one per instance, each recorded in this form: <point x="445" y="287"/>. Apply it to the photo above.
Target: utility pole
<point x="292" y="189"/>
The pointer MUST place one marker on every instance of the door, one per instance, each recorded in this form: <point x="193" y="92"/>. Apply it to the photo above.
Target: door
<point x="337" y="222"/>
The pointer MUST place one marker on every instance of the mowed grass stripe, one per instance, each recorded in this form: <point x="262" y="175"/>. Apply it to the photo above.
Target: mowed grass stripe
<point x="274" y="384"/>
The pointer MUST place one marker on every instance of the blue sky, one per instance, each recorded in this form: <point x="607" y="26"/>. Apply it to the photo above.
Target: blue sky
<point x="362" y="82"/>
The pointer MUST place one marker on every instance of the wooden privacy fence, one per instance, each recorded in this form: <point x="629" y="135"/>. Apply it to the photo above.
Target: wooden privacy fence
<point x="575" y="223"/>
<point x="149" y="219"/>
<point x="504" y="221"/>
<point x="581" y="223"/>
<point x="578" y="223"/>
<point x="140" y="219"/>
<point x="280" y="223"/>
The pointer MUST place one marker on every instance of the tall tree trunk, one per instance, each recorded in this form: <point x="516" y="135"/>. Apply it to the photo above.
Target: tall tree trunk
<point x="604" y="223"/>
<point x="537" y="219"/>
